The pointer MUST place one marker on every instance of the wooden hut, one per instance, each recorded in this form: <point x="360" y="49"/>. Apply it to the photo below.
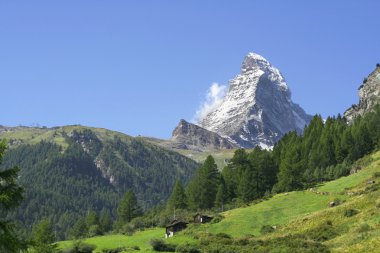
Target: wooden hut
<point x="201" y="218"/>
<point x="174" y="227"/>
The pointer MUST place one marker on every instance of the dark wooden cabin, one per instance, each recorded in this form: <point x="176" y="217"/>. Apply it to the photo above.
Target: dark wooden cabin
<point x="175" y="227"/>
<point x="200" y="218"/>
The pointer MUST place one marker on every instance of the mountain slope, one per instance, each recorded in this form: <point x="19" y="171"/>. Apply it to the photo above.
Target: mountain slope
<point x="369" y="96"/>
<point x="67" y="171"/>
<point x="257" y="109"/>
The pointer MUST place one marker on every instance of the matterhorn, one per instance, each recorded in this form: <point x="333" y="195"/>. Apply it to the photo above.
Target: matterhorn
<point x="257" y="109"/>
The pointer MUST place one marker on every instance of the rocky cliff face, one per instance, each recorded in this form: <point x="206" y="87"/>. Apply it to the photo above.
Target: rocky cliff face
<point x="193" y="137"/>
<point x="369" y="96"/>
<point x="257" y="109"/>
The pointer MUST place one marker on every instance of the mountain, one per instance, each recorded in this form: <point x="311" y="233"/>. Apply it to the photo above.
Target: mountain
<point x="257" y="109"/>
<point x="369" y="96"/>
<point x="193" y="137"/>
<point x="67" y="171"/>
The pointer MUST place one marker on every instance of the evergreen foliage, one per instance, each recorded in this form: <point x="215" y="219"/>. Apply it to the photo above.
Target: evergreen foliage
<point x="201" y="191"/>
<point x="178" y="198"/>
<point x="43" y="237"/>
<point x="128" y="208"/>
<point x="325" y="151"/>
<point x="11" y="194"/>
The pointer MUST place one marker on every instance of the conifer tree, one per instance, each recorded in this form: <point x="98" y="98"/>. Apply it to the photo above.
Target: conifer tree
<point x="221" y="195"/>
<point x="202" y="189"/>
<point x="43" y="237"/>
<point x="128" y="208"/>
<point x="178" y="198"/>
<point x="10" y="198"/>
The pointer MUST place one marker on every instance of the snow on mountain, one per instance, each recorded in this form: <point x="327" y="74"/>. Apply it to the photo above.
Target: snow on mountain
<point x="257" y="109"/>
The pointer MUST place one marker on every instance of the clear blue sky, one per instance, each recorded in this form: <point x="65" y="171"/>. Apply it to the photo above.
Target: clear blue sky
<point x="140" y="66"/>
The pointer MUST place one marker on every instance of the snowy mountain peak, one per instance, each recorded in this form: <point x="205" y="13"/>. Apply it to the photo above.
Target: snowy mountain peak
<point x="257" y="109"/>
<point x="253" y="61"/>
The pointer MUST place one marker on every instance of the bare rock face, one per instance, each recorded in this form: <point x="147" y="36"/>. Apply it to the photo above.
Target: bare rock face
<point x="193" y="137"/>
<point x="369" y="96"/>
<point x="257" y="109"/>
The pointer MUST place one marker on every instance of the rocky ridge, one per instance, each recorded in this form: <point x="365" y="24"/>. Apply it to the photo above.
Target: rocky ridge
<point x="369" y="96"/>
<point x="190" y="136"/>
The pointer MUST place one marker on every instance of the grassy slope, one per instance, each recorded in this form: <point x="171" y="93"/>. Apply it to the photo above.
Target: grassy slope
<point x="219" y="155"/>
<point x="32" y="135"/>
<point x="140" y="239"/>
<point x="294" y="212"/>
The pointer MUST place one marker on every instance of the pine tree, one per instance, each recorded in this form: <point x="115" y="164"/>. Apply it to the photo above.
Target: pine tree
<point x="93" y="225"/>
<point x="209" y="184"/>
<point x="43" y="237"/>
<point x="247" y="191"/>
<point x="202" y="189"/>
<point x="291" y="171"/>
<point x="178" y="198"/>
<point x="105" y="221"/>
<point x="221" y="195"/>
<point x="10" y="198"/>
<point x="128" y="208"/>
<point x="79" y="230"/>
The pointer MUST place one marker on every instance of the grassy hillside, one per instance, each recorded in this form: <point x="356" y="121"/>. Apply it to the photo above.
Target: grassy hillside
<point x="303" y="212"/>
<point x="221" y="156"/>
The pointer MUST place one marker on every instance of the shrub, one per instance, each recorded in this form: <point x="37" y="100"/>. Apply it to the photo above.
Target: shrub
<point x="188" y="248"/>
<point x="377" y="65"/>
<point x="116" y="250"/>
<point x="376" y="174"/>
<point x="323" y="232"/>
<point x="365" y="80"/>
<point x="160" y="245"/>
<point x="80" y="247"/>
<point x="266" y="229"/>
<point x="350" y="212"/>
<point x="136" y="247"/>
<point x="217" y="219"/>
<point x="363" y="228"/>
<point x="94" y="230"/>
<point x="223" y="235"/>
<point x="127" y="229"/>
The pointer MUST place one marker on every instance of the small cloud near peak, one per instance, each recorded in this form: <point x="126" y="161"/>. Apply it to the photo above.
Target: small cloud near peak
<point x="213" y="99"/>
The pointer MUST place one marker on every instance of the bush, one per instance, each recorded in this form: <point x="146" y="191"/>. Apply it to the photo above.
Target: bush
<point x="350" y="212"/>
<point x="160" y="245"/>
<point x="116" y="250"/>
<point x="94" y="230"/>
<point x="217" y="219"/>
<point x="365" y="80"/>
<point x="80" y="247"/>
<point x="127" y="229"/>
<point x="223" y="235"/>
<point x="323" y="232"/>
<point x="266" y="229"/>
<point x="363" y="228"/>
<point x="188" y="248"/>
<point x="376" y="174"/>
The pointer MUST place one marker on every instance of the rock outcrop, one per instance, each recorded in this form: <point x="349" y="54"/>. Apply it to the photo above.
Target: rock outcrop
<point x="189" y="136"/>
<point x="369" y="96"/>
